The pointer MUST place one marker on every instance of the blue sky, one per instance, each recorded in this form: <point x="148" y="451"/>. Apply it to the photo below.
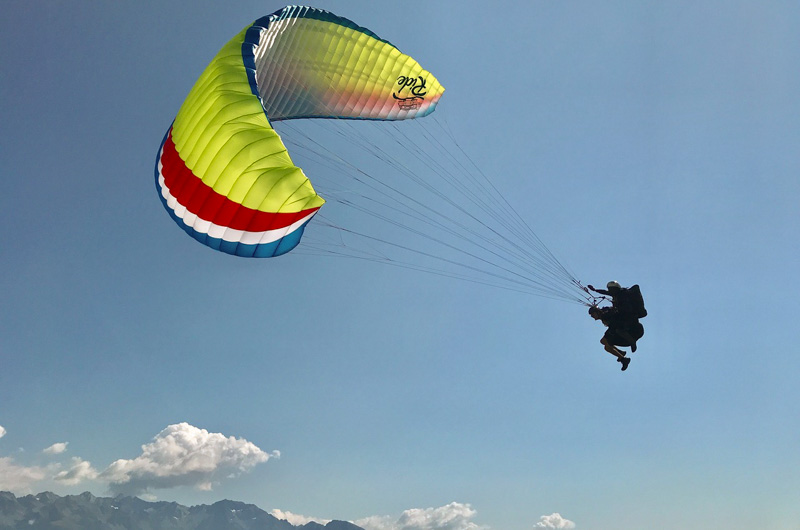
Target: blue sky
<point x="648" y="142"/>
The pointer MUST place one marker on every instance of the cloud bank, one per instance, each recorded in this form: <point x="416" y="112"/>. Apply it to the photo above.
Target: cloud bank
<point x="296" y="519"/>
<point x="454" y="516"/>
<point x="554" y="520"/>
<point x="80" y="471"/>
<point x="184" y="455"/>
<point x="180" y="455"/>
<point x="17" y="478"/>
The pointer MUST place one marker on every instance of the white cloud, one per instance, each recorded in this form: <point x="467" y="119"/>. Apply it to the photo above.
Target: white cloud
<point x="2" y="431"/>
<point x="297" y="519"/>
<point x="554" y="520"/>
<point x="454" y="516"/>
<point x="80" y="471"/>
<point x="19" y="479"/>
<point x="184" y="455"/>
<point x="56" y="449"/>
<point x="378" y="522"/>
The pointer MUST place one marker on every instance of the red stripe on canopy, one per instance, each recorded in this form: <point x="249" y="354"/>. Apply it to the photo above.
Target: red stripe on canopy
<point x="209" y="205"/>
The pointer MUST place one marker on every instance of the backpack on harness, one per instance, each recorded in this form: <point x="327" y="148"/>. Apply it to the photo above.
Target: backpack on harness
<point x="630" y="302"/>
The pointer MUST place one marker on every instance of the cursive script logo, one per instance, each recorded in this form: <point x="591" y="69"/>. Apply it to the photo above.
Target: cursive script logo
<point x="415" y="84"/>
<point x="415" y="89"/>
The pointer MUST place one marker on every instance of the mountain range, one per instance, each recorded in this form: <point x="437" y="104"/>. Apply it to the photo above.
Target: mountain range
<point x="48" y="511"/>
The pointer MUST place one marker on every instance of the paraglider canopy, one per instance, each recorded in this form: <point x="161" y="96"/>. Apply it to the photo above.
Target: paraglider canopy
<point x="222" y="171"/>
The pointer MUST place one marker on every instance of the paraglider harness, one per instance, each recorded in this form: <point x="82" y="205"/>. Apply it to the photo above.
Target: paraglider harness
<point x="628" y="302"/>
<point x="625" y="313"/>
